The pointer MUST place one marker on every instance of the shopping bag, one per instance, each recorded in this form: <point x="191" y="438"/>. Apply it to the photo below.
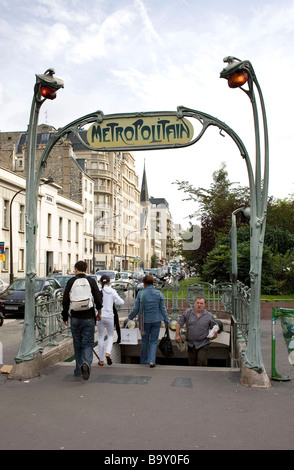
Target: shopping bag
<point x="165" y="345"/>
<point x="129" y="336"/>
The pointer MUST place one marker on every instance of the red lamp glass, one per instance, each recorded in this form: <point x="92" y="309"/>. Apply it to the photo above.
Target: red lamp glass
<point x="238" y="79"/>
<point x="47" y="92"/>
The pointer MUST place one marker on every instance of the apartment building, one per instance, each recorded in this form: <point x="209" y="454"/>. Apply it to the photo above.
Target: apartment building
<point x="120" y="229"/>
<point x="162" y="223"/>
<point x="105" y="183"/>
<point x="60" y="229"/>
<point x="116" y="230"/>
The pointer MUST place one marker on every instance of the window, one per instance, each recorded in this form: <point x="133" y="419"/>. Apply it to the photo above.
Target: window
<point x="49" y="228"/>
<point x="69" y="230"/>
<point x="21" y="217"/>
<point x="44" y="138"/>
<point x="5" y="213"/>
<point x="60" y="228"/>
<point x="21" y="260"/>
<point x="103" y="199"/>
<point x="77" y="232"/>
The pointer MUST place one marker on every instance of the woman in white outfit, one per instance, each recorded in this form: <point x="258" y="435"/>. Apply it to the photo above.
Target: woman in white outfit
<point x="110" y="296"/>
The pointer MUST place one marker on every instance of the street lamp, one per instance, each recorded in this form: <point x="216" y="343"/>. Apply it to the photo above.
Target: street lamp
<point x="46" y="87"/>
<point x="100" y="219"/>
<point x="238" y="73"/>
<point x="126" y="246"/>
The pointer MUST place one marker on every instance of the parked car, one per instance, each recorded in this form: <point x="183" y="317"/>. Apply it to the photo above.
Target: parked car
<point x="12" y="300"/>
<point x="126" y="278"/>
<point x="96" y="277"/>
<point x="126" y="275"/>
<point x="152" y="271"/>
<point x="3" y="285"/>
<point x="113" y="275"/>
<point x="62" y="279"/>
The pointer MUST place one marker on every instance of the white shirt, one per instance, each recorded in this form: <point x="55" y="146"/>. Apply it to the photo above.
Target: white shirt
<point x="110" y="296"/>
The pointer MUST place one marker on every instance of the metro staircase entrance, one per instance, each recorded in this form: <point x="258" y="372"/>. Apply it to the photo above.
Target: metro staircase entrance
<point x="179" y="296"/>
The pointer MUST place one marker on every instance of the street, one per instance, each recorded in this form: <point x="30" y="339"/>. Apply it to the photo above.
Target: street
<point x="117" y="408"/>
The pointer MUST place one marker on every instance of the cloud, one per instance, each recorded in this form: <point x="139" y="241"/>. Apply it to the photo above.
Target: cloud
<point x="141" y="55"/>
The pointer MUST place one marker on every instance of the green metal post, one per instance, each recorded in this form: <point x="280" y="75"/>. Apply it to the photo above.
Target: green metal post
<point x="258" y="206"/>
<point x="28" y="347"/>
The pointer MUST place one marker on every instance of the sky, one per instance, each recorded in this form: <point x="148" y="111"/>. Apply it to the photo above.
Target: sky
<point x="123" y="56"/>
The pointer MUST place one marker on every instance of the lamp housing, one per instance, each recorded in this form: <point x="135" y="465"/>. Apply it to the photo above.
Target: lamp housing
<point x="47" y="85"/>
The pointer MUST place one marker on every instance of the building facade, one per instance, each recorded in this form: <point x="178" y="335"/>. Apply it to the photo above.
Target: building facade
<point x="162" y="223"/>
<point x="59" y="234"/>
<point x="98" y="212"/>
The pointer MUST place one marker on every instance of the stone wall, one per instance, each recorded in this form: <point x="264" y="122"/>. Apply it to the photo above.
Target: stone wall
<point x="266" y="308"/>
<point x="8" y="142"/>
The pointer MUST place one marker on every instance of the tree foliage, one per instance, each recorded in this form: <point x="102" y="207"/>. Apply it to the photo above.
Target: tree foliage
<point x="213" y="258"/>
<point x="216" y="205"/>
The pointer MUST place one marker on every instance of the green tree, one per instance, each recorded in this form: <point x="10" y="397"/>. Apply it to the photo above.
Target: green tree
<point x="216" y="205"/>
<point x="280" y="213"/>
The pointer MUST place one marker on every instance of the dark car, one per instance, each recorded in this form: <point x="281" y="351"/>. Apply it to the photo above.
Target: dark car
<point x="62" y="279"/>
<point x="12" y="301"/>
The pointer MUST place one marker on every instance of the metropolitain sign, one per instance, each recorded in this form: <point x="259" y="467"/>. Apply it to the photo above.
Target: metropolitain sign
<point x="140" y="131"/>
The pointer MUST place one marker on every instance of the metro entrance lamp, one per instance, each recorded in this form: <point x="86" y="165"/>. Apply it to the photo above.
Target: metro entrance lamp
<point x="46" y="87"/>
<point x="238" y="73"/>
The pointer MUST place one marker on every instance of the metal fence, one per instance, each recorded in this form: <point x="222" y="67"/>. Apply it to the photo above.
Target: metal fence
<point x="48" y="319"/>
<point x="178" y="297"/>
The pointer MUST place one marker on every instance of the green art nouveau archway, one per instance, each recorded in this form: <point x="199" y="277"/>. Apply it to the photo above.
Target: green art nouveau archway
<point x="154" y="131"/>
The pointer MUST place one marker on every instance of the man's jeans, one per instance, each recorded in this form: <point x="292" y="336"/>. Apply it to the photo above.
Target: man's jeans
<point x="150" y="336"/>
<point x="83" y="330"/>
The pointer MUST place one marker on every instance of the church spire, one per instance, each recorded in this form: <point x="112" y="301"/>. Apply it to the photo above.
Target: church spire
<point x="144" y="196"/>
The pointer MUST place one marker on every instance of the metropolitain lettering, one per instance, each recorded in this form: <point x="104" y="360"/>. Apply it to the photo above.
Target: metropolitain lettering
<point x="139" y="131"/>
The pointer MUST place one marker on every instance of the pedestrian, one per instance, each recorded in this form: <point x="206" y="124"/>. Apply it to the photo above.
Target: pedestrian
<point x="151" y="309"/>
<point x="82" y="316"/>
<point x="198" y="322"/>
<point x="110" y="298"/>
<point x="182" y="275"/>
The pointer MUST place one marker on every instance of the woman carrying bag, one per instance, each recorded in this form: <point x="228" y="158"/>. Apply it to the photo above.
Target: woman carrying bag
<point x="110" y="298"/>
<point x="151" y="309"/>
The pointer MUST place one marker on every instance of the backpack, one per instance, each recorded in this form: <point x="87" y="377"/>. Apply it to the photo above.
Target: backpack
<point x="81" y="295"/>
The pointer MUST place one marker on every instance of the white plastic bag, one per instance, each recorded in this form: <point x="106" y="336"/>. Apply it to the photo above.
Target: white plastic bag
<point x="213" y="332"/>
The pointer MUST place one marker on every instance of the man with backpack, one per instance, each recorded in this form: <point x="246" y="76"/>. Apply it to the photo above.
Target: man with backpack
<point x="81" y="297"/>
